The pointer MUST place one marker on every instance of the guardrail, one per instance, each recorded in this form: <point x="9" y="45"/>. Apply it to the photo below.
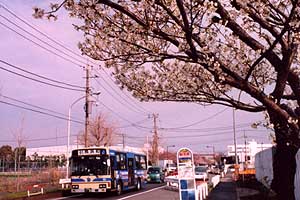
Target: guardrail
<point x="172" y="183"/>
<point x="202" y="190"/>
<point x="215" y="180"/>
<point x="36" y="190"/>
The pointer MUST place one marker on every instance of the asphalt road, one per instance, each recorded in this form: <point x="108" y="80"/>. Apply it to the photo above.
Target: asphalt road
<point x="151" y="192"/>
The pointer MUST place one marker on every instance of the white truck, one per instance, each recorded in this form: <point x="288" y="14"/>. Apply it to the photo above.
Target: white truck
<point x="168" y="165"/>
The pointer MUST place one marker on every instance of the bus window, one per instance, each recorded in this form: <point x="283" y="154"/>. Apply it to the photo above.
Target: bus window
<point x="121" y="161"/>
<point x="143" y="162"/>
<point x="137" y="162"/>
<point x="130" y="163"/>
<point x="90" y="165"/>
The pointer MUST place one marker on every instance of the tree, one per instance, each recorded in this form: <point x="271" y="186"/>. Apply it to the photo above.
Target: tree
<point x="6" y="153"/>
<point x="101" y="132"/>
<point x="241" y="54"/>
<point x="20" y="153"/>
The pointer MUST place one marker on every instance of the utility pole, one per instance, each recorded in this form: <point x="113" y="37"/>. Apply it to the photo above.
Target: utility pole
<point x="147" y="155"/>
<point x="87" y="106"/>
<point x="245" y="146"/>
<point x="155" y="156"/>
<point x="123" y="141"/>
<point x="234" y="136"/>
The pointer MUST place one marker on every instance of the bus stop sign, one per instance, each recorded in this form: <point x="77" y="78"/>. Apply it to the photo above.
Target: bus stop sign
<point x="186" y="174"/>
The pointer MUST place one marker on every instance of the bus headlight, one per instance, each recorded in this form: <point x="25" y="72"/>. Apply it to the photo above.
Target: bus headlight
<point x="102" y="185"/>
<point x="75" y="186"/>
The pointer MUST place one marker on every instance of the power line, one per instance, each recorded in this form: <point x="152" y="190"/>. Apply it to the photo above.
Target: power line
<point x="40" y="112"/>
<point x="28" y="104"/>
<point x="37" y="44"/>
<point x="130" y="125"/>
<point x="61" y="45"/>
<point x="46" y="43"/>
<point x="40" y="76"/>
<point x="117" y="99"/>
<point x="198" y="122"/>
<point x="242" y="125"/>
<point x="34" y="79"/>
<point x="40" y="32"/>
<point x="140" y="108"/>
<point x="120" y="116"/>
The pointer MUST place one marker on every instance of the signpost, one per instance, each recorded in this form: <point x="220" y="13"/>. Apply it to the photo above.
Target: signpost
<point x="186" y="174"/>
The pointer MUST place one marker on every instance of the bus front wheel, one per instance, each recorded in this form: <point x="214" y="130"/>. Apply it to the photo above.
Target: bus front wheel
<point x="138" y="185"/>
<point x="119" y="189"/>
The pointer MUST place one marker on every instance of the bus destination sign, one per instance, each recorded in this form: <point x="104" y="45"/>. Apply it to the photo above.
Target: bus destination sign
<point x="83" y="152"/>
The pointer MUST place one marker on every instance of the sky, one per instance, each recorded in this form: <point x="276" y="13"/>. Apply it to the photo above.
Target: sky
<point x="22" y="47"/>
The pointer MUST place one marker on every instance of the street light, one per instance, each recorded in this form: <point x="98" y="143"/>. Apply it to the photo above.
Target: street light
<point x="69" y="129"/>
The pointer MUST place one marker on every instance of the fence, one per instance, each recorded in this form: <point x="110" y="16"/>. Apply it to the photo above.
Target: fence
<point x="20" y="182"/>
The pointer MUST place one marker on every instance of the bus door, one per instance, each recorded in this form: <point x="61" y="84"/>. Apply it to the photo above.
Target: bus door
<point x="130" y="172"/>
<point x="112" y="171"/>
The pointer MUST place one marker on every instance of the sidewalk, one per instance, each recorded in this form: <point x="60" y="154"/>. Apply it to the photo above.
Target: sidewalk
<point x="225" y="190"/>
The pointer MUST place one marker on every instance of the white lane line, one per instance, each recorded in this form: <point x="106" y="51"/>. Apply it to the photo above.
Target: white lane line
<point x="66" y="197"/>
<point x="141" y="193"/>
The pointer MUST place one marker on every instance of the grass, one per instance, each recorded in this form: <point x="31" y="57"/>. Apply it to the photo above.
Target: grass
<point x="15" y="195"/>
<point x="22" y="195"/>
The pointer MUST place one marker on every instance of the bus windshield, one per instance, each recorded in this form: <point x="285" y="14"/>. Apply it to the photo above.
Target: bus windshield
<point x="90" y="165"/>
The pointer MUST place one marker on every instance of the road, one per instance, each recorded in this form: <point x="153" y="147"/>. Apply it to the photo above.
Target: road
<point x="151" y="192"/>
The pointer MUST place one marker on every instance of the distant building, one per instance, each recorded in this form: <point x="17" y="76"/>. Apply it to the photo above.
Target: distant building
<point x="62" y="150"/>
<point x="49" y="150"/>
<point x="247" y="152"/>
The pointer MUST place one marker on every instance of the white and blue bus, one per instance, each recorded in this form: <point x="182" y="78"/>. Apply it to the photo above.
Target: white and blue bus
<point x="103" y="169"/>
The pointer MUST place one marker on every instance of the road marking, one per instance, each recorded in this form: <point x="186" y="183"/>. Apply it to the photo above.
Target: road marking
<point x="141" y="193"/>
<point x="66" y="197"/>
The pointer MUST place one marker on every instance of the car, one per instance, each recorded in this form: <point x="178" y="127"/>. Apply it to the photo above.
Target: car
<point x="171" y="168"/>
<point x="215" y="169"/>
<point x="201" y="173"/>
<point x="231" y="168"/>
<point x="155" y="174"/>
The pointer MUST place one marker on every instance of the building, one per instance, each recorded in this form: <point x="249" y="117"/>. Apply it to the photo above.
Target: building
<point x="49" y="150"/>
<point x="62" y="150"/>
<point x="246" y="152"/>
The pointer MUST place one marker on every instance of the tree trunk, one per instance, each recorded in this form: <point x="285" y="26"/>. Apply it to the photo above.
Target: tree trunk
<point x="284" y="168"/>
<point x="284" y="160"/>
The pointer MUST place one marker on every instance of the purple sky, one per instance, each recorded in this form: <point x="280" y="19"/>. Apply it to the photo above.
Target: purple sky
<point x="42" y="130"/>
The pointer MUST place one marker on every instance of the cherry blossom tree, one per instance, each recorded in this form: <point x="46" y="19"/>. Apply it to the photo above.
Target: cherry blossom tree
<point x="238" y="53"/>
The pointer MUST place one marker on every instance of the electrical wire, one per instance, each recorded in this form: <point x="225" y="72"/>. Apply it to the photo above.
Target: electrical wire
<point x="121" y="117"/>
<point x="37" y="44"/>
<point x="58" y="43"/>
<point x="40" y="112"/>
<point x="242" y="125"/>
<point x="40" y="76"/>
<point x="130" y="125"/>
<point x="198" y="122"/>
<point x="43" y="82"/>
<point x="40" y="32"/>
<point x="133" y="103"/>
<point x="46" y="43"/>
<point x="117" y="99"/>
<point x="28" y="104"/>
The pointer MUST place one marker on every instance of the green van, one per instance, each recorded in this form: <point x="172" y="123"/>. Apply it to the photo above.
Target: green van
<point x="155" y="174"/>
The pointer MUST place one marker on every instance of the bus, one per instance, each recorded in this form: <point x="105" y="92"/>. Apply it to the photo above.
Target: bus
<point x="104" y="169"/>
